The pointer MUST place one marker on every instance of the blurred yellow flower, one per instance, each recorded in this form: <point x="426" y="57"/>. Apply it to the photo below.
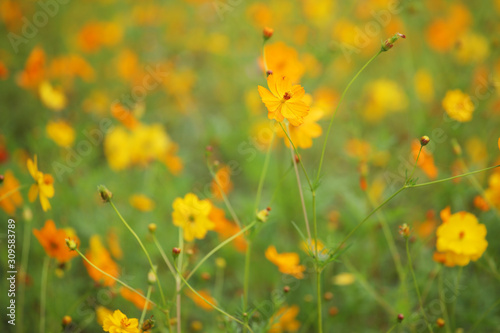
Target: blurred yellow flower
<point x="288" y="263"/>
<point x="51" y="97"/>
<point x="302" y="135"/>
<point x="114" y="244"/>
<point x="99" y="256"/>
<point x="61" y="133"/>
<point x="43" y="187"/>
<point x="199" y="301"/>
<point x="102" y="313"/>
<point x="492" y="193"/>
<point x="119" y="323"/>
<point x="458" y="105"/>
<point x="359" y="149"/>
<point x="343" y="279"/>
<point x="13" y="198"/>
<point x="472" y="48"/>
<point x="284" y="100"/>
<point x="424" y="85"/>
<point x="141" y="202"/>
<point x="383" y="96"/>
<point x="284" y="320"/>
<point x="191" y="214"/>
<point x="476" y="150"/>
<point x="53" y="241"/>
<point x="461" y="238"/>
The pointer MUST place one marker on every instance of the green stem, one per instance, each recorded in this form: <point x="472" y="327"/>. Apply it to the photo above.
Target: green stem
<point x="178" y="278"/>
<point x="208" y="302"/>
<point x="218" y="247"/>
<point x="416" y="162"/>
<point x="335" y="112"/>
<point x="455" y="294"/>
<point x="454" y="177"/>
<point x="392" y="328"/>
<point x="246" y="279"/>
<point x="153" y="268"/>
<point x="417" y="289"/>
<point x="487" y="312"/>
<point x="8" y="194"/>
<point x="164" y="256"/>
<point x="43" y="294"/>
<point x="145" y="308"/>
<point x="111" y="276"/>
<point x="318" y="299"/>
<point x="443" y="301"/>
<point x="263" y="174"/>
<point x="296" y="153"/>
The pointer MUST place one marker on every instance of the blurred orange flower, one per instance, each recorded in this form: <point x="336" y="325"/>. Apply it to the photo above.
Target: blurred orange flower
<point x="288" y="263"/>
<point x="284" y="320"/>
<point x="34" y="70"/>
<point x="8" y="188"/>
<point x="141" y="202"/>
<point x="114" y="244"/>
<point x="199" y="301"/>
<point x="4" y="71"/>
<point x="70" y="66"/>
<point x="44" y="185"/>
<point x="132" y="297"/>
<point x="283" y="60"/>
<point x="425" y="161"/>
<point x="226" y="229"/>
<point x="94" y="35"/>
<point x="284" y="100"/>
<point x="223" y="177"/>
<point x="444" y="32"/>
<point x="99" y="256"/>
<point x="53" y="241"/>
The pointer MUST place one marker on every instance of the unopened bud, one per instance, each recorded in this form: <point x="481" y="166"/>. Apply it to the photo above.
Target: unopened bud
<point x="389" y="43"/>
<point x="262" y="215"/>
<point x="404" y="230"/>
<point x="269" y="72"/>
<point x="148" y="324"/>
<point x="424" y="140"/>
<point x="152" y="228"/>
<point x="106" y="194"/>
<point x="267" y="33"/>
<point x="151" y="277"/>
<point x="71" y="244"/>
<point x="66" y="321"/>
<point x="440" y="322"/>
<point x="175" y="252"/>
<point x="456" y="147"/>
<point x="286" y="289"/>
<point x="400" y="317"/>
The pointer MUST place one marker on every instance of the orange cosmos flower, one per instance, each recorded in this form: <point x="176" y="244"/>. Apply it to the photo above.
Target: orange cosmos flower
<point x="53" y="241"/>
<point x="288" y="263"/>
<point x="284" y="100"/>
<point x="99" y="256"/>
<point x="226" y="229"/>
<point x="284" y="320"/>
<point x="223" y="177"/>
<point x="44" y="185"/>
<point x="14" y="199"/>
<point x="137" y="300"/>
<point x="199" y="301"/>
<point x="34" y="70"/>
<point x="425" y="161"/>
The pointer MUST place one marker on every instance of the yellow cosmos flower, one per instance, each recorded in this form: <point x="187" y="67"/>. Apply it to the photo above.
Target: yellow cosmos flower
<point x="284" y="320"/>
<point x="302" y="135"/>
<point x="461" y="238"/>
<point x="458" y="105"/>
<point x="44" y="185"/>
<point x="61" y="133"/>
<point x="119" y="323"/>
<point x="191" y="214"/>
<point x="284" y="100"/>
<point x="288" y="263"/>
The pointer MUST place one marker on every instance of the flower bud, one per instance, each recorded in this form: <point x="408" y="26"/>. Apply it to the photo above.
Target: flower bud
<point x="267" y="33"/>
<point x="66" y="321"/>
<point x="106" y="194"/>
<point x="389" y="43"/>
<point x="262" y="215"/>
<point x="151" y="277"/>
<point x="148" y="324"/>
<point x="404" y="230"/>
<point x="71" y="244"/>
<point x="152" y="228"/>
<point x="440" y="322"/>
<point x="424" y="140"/>
<point x="286" y="289"/>
<point x="269" y="72"/>
<point x="400" y="317"/>
<point x="175" y="252"/>
<point x="220" y="263"/>
<point x="2" y="177"/>
<point x="328" y="296"/>
<point x="27" y="214"/>
<point x="456" y="147"/>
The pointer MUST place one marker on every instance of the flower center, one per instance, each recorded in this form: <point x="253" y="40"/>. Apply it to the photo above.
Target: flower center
<point x="124" y="323"/>
<point x="461" y="235"/>
<point x="191" y="218"/>
<point x="287" y="96"/>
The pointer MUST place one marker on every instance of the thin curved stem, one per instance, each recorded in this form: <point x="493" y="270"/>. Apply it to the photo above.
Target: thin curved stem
<point x="111" y="276"/>
<point x="486" y="313"/>
<point x="178" y="278"/>
<point x="335" y="112"/>
<point x="263" y="173"/>
<point x="454" y="177"/>
<point x="145" y="308"/>
<point x="224" y="197"/>
<point x="153" y="268"/>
